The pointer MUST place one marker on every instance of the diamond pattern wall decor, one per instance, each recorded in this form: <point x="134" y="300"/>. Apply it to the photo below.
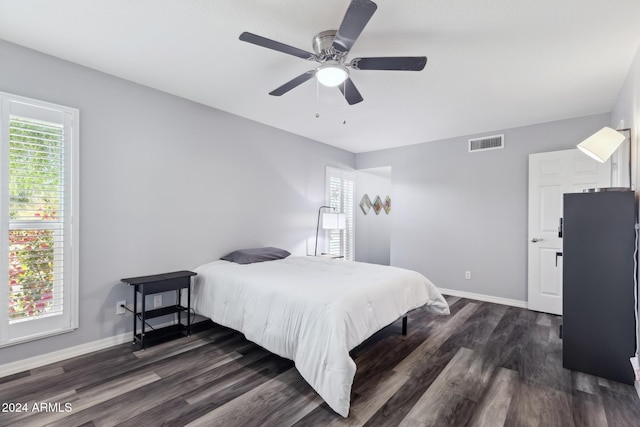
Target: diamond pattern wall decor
<point x="377" y="205"/>
<point x="365" y="204"/>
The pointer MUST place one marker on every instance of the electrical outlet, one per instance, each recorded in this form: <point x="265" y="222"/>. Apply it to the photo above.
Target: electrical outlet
<point x="467" y="275"/>
<point x="120" y="307"/>
<point x="157" y="301"/>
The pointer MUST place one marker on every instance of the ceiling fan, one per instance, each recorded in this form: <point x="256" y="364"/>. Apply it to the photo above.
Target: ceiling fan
<point x="330" y="50"/>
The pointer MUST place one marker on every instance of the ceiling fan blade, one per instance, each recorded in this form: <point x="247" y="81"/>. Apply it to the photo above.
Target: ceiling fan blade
<point x="399" y="63"/>
<point x="350" y="92"/>
<point x="356" y="18"/>
<point x="292" y="83"/>
<point x="272" y="44"/>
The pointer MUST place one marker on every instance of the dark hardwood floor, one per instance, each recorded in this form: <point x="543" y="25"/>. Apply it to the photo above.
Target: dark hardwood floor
<point x="484" y="365"/>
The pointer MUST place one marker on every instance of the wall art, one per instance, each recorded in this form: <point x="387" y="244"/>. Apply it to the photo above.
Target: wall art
<point x="377" y="205"/>
<point x="365" y="204"/>
<point x="387" y="205"/>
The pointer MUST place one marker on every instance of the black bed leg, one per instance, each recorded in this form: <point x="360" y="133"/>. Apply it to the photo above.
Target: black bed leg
<point x="404" y="325"/>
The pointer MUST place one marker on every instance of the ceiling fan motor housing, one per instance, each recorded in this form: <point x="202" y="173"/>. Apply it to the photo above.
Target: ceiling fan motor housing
<point x="323" y="41"/>
<point x="323" y="47"/>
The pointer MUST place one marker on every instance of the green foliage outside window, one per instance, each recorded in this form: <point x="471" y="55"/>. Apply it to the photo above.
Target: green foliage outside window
<point x="35" y="169"/>
<point x="30" y="272"/>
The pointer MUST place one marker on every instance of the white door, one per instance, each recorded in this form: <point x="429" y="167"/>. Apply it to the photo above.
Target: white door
<point x="550" y="176"/>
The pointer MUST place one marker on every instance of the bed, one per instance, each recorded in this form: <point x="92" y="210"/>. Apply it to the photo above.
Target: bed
<point x="312" y="310"/>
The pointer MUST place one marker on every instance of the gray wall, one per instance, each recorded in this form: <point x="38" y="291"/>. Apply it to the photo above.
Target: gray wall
<point x="166" y="184"/>
<point x="373" y="232"/>
<point x="455" y="211"/>
<point x="627" y="110"/>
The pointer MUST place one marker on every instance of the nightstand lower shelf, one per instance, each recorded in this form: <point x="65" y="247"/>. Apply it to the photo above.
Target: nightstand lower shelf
<point x="165" y="333"/>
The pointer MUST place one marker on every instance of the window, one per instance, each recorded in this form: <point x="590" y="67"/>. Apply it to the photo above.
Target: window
<point x="38" y="219"/>
<point x="340" y="192"/>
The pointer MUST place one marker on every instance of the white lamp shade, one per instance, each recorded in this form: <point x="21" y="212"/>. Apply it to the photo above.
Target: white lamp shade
<point x="602" y="144"/>
<point x="334" y="221"/>
<point x="332" y="74"/>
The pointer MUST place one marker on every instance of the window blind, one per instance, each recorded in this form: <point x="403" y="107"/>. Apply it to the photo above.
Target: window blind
<point x="340" y="189"/>
<point x="36" y="218"/>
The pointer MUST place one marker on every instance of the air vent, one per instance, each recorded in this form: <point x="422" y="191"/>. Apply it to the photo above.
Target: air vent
<point x="492" y="142"/>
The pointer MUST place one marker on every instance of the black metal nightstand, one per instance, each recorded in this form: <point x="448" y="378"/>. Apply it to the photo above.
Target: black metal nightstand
<point x="146" y="285"/>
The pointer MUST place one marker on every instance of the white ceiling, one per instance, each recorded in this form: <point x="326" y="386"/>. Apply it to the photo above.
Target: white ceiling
<point x="492" y="64"/>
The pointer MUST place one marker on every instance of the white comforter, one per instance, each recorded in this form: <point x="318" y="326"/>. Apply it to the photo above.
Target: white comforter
<point x="312" y="310"/>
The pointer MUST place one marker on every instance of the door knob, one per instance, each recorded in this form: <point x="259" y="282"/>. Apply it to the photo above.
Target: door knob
<point x="535" y="240"/>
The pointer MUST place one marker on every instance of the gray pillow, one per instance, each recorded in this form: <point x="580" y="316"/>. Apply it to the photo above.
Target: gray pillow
<point x="249" y="256"/>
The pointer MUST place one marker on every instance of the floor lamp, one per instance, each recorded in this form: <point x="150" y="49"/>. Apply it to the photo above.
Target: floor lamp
<point x="330" y="221"/>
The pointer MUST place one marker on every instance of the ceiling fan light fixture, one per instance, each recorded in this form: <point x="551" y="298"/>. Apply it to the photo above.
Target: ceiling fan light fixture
<point x="332" y="74"/>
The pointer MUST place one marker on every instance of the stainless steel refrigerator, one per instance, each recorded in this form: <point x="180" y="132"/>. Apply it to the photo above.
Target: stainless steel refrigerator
<point x="598" y="278"/>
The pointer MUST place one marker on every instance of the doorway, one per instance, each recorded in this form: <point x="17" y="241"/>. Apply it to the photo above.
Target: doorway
<point x="373" y="230"/>
<point x="551" y="175"/>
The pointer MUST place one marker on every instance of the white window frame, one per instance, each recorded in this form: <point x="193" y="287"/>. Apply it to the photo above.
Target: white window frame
<point x="343" y="203"/>
<point x="22" y="331"/>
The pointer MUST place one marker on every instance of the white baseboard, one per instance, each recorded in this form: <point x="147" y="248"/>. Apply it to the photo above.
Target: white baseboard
<point x="486" y="298"/>
<point x="67" y="353"/>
